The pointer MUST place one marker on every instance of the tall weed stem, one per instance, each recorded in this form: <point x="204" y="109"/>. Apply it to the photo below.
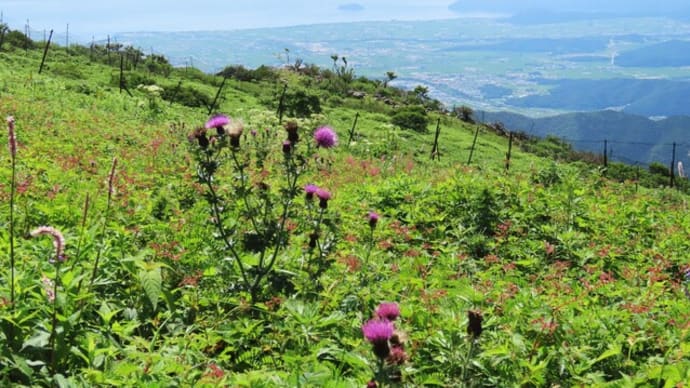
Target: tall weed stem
<point x="13" y="155"/>
<point x="111" y="190"/>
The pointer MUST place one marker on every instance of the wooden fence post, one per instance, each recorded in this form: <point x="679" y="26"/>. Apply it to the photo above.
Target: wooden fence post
<point x="281" y="106"/>
<point x="215" y="99"/>
<point x="474" y="142"/>
<point x="435" y="153"/>
<point x="673" y="162"/>
<point x="123" y="82"/>
<point x="606" y="154"/>
<point x="510" y="149"/>
<point x="352" y="131"/>
<point x="45" y="52"/>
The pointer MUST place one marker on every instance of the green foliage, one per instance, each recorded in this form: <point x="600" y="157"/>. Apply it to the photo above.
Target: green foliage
<point x="4" y="29"/>
<point x="659" y="169"/>
<point x="186" y="95"/>
<point x="301" y="104"/>
<point x="158" y="64"/>
<point x="579" y="279"/>
<point x="240" y="73"/>
<point x="412" y="117"/>
<point x="17" y="40"/>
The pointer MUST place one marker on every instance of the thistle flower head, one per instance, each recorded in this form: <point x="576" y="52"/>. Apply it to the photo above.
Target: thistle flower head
<point x="58" y="240"/>
<point x="474" y="325"/>
<point x="292" y="129"/>
<point x="287" y="146"/>
<point x="378" y="332"/>
<point x="388" y="311"/>
<point x="324" y="196"/>
<point x="373" y="219"/>
<point x="397" y="356"/>
<point x="310" y="190"/>
<point x="236" y="128"/>
<point x="218" y="122"/>
<point x="326" y="137"/>
<point x="199" y="135"/>
<point x="234" y="131"/>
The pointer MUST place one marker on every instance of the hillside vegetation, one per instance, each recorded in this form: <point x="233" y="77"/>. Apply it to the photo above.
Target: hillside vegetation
<point x="177" y="255"/>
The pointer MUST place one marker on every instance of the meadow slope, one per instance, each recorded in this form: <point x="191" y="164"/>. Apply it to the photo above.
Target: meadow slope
<point x="192" y="262"/>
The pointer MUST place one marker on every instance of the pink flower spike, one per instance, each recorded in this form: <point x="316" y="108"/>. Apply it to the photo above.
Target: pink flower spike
<point x="11" y="136"/>
<point x="58" y="240"/>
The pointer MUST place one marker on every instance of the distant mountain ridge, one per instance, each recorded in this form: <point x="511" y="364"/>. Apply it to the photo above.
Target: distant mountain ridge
<point x="647" y="97"/>
<point x="631" y="138"/>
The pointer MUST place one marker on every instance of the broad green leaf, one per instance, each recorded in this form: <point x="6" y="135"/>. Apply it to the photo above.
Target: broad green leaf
<point x="39" y="340"/>
<point x="152" y="283"/>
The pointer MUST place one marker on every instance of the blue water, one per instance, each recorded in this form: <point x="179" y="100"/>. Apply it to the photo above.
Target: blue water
<point x="98" y="18"/>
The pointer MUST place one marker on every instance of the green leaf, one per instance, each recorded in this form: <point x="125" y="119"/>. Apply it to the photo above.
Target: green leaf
<point x="61" y="381"/>
<point x="613" y="350"/>
<point x="39" y="340"/>
<point x="152" y="283"/>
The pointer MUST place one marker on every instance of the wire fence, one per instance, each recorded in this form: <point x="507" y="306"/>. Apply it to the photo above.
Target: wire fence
<point x="666" y="153"/>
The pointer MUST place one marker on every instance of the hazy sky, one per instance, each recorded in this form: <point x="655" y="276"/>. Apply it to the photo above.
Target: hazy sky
<point x="102" y="17"/>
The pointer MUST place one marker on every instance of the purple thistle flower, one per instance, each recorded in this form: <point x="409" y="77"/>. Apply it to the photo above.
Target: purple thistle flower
<point x="324" y="196"/>
<point x="326" y="137"/>
<point x="58" y="240"/>
<point x="310" y="190"/>
<point x="217" y="121"/>
<point x="378" y="333"/>
<point x="11" y="136"/>
<point x="373" y="219"/>
<point x="388" y="311"/>
<point x="378" y="330"/>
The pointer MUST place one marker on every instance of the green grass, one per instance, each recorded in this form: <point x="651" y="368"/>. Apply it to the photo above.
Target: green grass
<point x="579" y="279"/>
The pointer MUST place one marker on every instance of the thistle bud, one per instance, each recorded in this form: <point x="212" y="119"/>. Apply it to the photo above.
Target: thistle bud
<point x="474" y="325"/>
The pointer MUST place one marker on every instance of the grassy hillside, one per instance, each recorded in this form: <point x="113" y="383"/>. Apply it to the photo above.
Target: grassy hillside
<point x="191" y="260"/>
